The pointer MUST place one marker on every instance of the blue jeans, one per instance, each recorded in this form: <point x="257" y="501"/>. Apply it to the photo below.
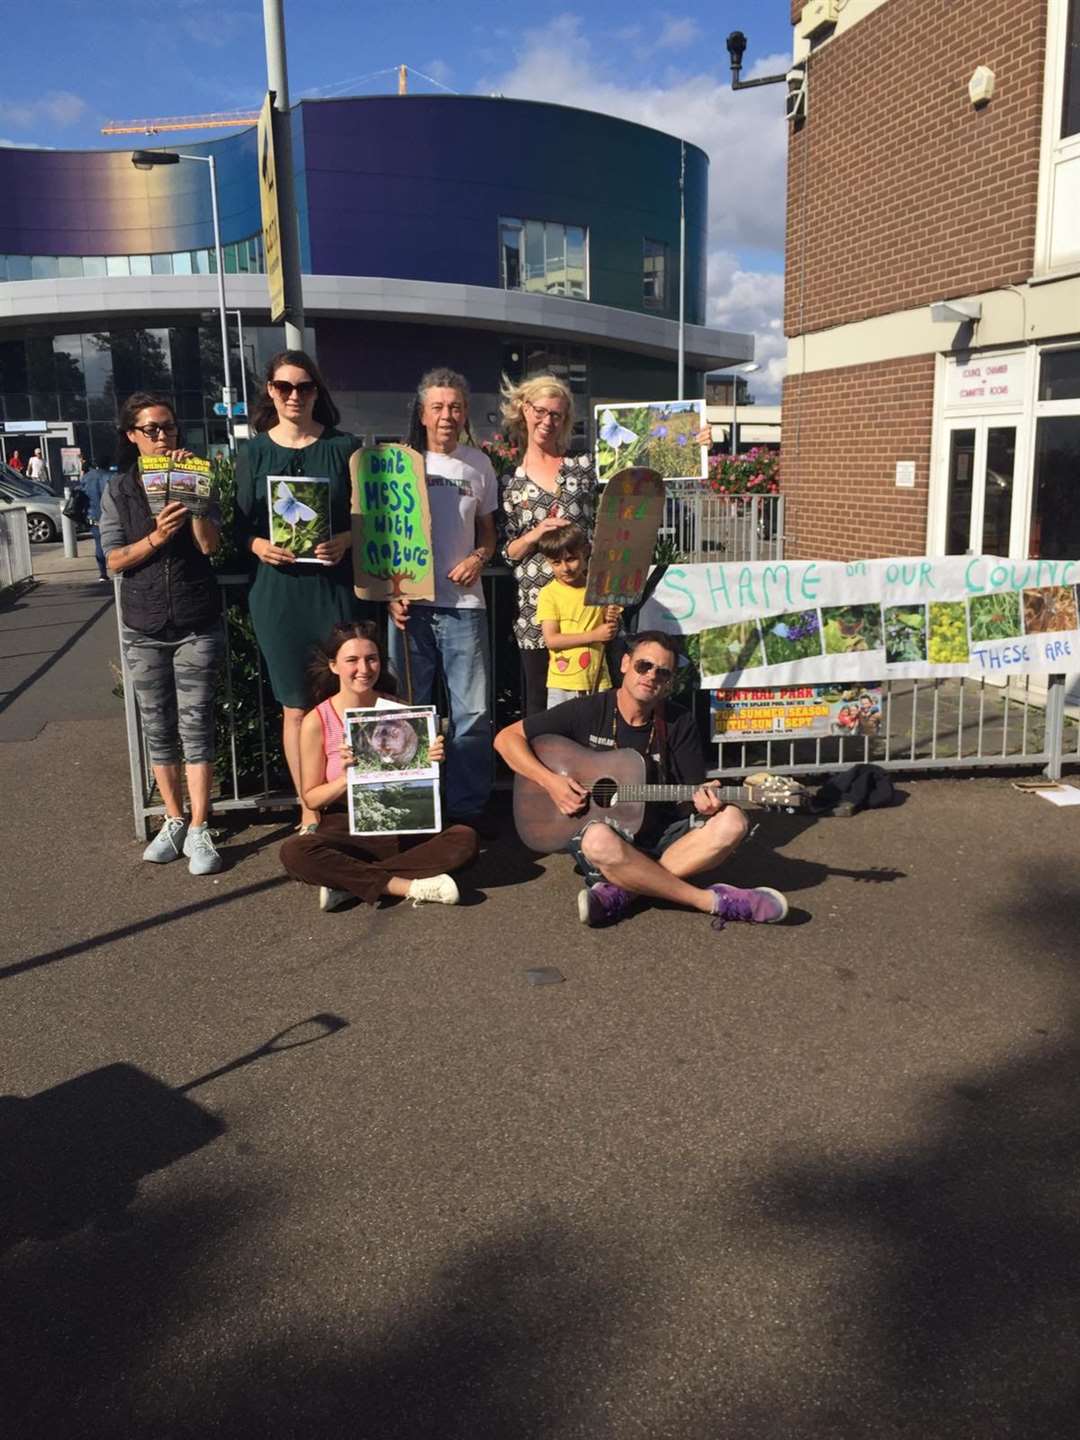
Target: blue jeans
<point x="455" y="643"/>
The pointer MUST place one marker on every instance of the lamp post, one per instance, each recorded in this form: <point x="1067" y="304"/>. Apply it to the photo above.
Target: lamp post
<point x="735" y="373"/>
<point x="243" y="365"/>
<point x="146" y="160"/>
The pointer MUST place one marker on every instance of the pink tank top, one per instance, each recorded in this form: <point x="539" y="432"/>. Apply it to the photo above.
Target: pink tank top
<point x="333" y="737"/>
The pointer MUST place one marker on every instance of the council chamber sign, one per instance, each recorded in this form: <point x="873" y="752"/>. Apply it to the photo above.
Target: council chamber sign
<point x="813" y="622"/>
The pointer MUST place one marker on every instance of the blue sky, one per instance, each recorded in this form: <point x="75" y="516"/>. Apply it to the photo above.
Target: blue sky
<point x="71" y="66"/>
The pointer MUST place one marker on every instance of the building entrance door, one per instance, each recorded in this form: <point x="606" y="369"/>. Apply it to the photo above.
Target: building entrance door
<point x="982" y="508"/>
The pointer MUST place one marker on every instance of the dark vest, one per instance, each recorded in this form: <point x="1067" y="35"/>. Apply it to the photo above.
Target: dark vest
<point x="175" y="585"/>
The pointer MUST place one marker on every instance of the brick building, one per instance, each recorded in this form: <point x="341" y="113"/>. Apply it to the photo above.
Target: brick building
<point x="908" y="427"/>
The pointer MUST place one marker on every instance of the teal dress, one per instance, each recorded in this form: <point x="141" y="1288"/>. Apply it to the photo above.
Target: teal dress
<point x="294" y="607"/>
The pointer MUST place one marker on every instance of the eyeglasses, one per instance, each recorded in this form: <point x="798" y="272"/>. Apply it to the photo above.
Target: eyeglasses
<point x="153" y="431"/>
<point x="646" y="667"/>
<point x="541" y="414"/>
<point x="286" y="387"/>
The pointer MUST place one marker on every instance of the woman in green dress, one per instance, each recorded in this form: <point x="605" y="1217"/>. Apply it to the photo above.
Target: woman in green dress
<point x="293" y="603"/>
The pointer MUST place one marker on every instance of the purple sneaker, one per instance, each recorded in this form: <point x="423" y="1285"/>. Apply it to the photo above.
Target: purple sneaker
<point x="602" y="904"/>
<point x="761" y="906"/>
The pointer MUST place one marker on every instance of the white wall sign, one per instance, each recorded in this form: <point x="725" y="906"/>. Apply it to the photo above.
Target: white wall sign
<point x="983" y="382"/>
<point x="905" y="474"/>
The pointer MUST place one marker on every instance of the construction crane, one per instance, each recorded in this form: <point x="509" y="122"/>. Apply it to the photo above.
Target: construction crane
<point x="225" y="119"/>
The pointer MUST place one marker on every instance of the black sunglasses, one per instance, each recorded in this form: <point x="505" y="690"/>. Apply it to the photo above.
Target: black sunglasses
<point x="153" y="431"/>
<point x="286" y="387"/>
<point x="645" y="667"/>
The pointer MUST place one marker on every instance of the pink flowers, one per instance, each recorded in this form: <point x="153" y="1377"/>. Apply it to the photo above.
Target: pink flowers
<point x="755" y="473"/>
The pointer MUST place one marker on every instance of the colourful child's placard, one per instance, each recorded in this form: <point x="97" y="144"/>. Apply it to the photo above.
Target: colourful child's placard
<point x="793" y="712"/>
<point x="807" y="622"/>
<point x="391" y="524"/>
<point x="628" y="518"/>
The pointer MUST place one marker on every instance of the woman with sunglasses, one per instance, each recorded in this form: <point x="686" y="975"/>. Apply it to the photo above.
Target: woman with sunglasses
<point x="548" y="489"/>
<point x="293" y="606"/>
<point x="170" y="628"/>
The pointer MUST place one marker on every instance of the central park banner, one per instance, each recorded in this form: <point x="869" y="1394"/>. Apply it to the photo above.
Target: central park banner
<point x="806" y="621"/>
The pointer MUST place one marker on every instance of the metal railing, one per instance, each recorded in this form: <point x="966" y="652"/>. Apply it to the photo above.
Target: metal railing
<point x="947" y="724"/>
<point x="16" y="563"/>
<point x="725" y="529"/>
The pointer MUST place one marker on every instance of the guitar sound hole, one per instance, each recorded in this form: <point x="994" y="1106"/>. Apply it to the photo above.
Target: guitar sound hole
<point x="603" y="793"/>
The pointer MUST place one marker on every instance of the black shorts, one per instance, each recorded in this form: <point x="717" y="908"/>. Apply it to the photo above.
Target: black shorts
<point x="675" y="831"/>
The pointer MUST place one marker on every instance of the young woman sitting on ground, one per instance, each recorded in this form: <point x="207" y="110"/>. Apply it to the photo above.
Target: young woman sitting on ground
<point x="344" y="676"/>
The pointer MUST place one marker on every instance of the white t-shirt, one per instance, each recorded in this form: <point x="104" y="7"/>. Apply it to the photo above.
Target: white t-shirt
<point x="461" y="487"/>
<point x="35" y="467"/>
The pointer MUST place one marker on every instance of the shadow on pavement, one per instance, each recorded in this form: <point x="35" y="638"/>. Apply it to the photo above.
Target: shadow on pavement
<point x="109" y="937"/>
<point x="58" y="654"/>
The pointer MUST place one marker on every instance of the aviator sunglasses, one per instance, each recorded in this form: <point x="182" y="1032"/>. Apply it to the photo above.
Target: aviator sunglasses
<point x="645" y="667"/>
<point x="286" y="387"/>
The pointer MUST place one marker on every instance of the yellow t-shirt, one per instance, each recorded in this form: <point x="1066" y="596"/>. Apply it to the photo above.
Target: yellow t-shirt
<point x="573" y="669"/>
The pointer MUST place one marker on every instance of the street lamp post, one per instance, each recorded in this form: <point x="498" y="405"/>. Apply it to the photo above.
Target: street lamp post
<point x="739" y="370"/>
<point x="146" y="160"/>
<point x="243" y="364"/>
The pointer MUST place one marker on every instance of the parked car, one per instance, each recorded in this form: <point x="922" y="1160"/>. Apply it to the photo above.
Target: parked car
<point x="12" y="480"/>
<point x="42" y="512"/>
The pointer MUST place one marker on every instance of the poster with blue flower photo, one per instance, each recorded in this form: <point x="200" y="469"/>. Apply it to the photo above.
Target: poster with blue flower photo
<point x="661" y="435"/>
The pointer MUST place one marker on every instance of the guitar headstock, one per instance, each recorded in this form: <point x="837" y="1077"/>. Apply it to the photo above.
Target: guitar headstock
<point x="776" y="792"/>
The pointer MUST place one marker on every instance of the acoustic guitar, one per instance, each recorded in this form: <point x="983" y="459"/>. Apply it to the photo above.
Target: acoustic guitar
<point x="615" y="780"/>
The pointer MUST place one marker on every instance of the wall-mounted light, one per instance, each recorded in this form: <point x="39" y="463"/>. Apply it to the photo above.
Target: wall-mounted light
<point x="981" y="86"/>
<point x="956" y="312"/>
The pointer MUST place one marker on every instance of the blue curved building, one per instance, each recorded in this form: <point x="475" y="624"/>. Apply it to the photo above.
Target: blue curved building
<point x="487" y="234"/>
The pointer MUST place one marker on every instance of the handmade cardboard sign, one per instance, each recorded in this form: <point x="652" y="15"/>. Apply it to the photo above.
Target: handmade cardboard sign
<point x="631" y="508"/>
<point x="391" y="524"/>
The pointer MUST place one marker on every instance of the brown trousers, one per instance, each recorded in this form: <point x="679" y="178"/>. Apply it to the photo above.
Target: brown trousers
<point x="362" y="864"/>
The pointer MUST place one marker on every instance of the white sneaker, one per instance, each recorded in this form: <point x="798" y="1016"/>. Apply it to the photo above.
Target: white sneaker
<point x="333" y="899"/>
<point x="168" y="843"/>
<point x="439" y="890"/>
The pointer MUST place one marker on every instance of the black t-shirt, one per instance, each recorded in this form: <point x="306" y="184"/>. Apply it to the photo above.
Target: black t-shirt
<point x="596" y="722"/>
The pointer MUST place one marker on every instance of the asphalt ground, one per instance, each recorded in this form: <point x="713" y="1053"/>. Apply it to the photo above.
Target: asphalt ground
<point x="810" y="1180"/>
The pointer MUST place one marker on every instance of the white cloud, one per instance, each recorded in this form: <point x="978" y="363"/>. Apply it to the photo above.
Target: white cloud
<point x="676" y="33"/>
<point x="438" y="70"/>
<point x="7" y="144"/>
<point x="55" y="108"/>
<point x="745" y="136"/>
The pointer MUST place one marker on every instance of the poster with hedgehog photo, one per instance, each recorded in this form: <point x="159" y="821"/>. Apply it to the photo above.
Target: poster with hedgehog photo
<point x="393" y="783"/>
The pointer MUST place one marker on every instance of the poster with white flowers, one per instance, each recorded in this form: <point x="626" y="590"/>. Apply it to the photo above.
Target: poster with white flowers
<point x="661" y="435"/>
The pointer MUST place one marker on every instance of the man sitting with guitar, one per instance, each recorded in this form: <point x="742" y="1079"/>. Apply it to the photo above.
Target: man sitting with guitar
<point x="553" y="809"/>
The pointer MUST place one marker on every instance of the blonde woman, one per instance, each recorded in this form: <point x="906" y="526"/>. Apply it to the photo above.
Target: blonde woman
<point x="549" y="489"/>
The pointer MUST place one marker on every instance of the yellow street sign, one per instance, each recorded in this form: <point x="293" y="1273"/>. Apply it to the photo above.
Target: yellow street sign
<point x="271" y="226"/>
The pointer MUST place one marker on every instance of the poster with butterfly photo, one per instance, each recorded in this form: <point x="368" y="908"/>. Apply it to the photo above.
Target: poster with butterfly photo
<point x="393" y="783"/>
<point x="299" y="514"/>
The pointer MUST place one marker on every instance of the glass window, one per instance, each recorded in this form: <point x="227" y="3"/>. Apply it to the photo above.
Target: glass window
<point x="44" y="405"/>
<point x="510" y="254"/>
<point x="140" y="265"/>
<point x="575" y="262"/>
<point x="1070" y="108"/>
<point x="654" y="275"/>
<point x="1055" y="516"/>
<point x="154" y="359"/>
<point x="40" y="364"/>
<point x="555" y="259"/>
<point x="117" y="265"/>
<point x="71" y="267"/>
<point x="68" y="362"/>
<point x="200" y="262"/>
<point x="18" y="267"/>
<point x="12" y="365"/>
<point x="998" y="490"/>
<point x="94" y="265"/>
<point x="3" y="267"/>
<point x="97" y="367"/>
<point x="241" y="248"/>
<point x="162" y="264"/>
<point x="961" y="482"/>
<point x="182" y="263"/>
<point x="533" y="278"/>
<point x="44" y="267"/>
<point x="1059" y="375"/>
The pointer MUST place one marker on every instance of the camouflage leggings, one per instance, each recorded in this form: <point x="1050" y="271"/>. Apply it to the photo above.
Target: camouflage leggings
<point x="174" y="685"/>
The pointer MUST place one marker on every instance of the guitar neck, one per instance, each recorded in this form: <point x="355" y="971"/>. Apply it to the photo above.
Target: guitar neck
<point x="673" y="794"/>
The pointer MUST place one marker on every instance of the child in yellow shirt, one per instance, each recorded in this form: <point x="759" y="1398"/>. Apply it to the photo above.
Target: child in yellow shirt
<point x="574" y="633"/>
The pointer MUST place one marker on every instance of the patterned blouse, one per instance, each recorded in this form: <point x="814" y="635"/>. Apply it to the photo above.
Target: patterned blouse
<point x="525" y="504"/>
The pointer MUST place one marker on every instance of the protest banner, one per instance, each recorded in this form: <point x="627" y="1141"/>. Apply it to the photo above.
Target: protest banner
<point x="796" y="712"/>
<point x="631" y="508"/>
<point x="391" y="524"/>
<point x="807" y="622"/>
